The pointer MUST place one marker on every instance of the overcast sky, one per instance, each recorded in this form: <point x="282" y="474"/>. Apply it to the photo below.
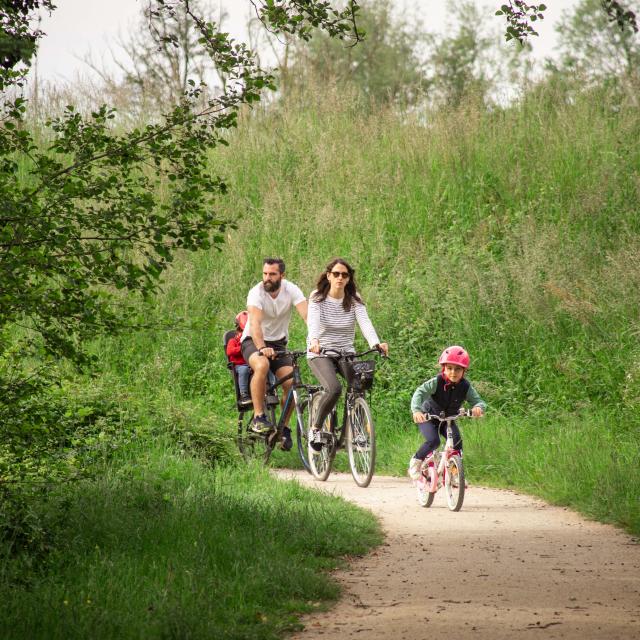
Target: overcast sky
<point x="79" y="27"/>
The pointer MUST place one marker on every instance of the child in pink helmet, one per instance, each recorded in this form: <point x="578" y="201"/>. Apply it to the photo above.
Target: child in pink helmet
<point x="445" y="392"/>
<point x="235" y="355"/>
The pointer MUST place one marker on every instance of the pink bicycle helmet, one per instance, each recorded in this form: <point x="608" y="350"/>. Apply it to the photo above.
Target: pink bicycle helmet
<point x="241" y="320"/>
<point x="455" y="355"/>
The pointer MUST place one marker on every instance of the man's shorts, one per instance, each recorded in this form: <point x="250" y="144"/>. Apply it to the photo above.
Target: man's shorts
<point x="248" y="348"/>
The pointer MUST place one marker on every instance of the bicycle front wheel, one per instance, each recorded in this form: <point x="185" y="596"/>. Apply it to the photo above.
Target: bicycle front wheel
<point x="425" y="497"/>
<point x="303" y="424"/>
<point x="320" y="460"/>
<point x="454" y="483"/>
<point x="361" y="443"/>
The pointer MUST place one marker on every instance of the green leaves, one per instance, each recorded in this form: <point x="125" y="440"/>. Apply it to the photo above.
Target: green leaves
<point x="92" y="210"/>
<point x="301" y="17"/>
<point x="624" y="18"/>
<point x="519" y="15"/>
<point x="18" y="40"/>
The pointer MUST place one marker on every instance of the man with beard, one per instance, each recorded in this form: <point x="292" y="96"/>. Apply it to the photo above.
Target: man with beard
<point x="269" y="304"/>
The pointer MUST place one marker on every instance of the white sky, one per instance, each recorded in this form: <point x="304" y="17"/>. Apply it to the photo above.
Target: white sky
<point x="81" y="27"/>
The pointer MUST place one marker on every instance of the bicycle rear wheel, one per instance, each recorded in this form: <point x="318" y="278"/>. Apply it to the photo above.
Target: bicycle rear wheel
<point x="454" y="483"/>
<point x="320" y="461"/>
<point x="303" y="424"/>
<point x="361" y="443"/>
<point x="255" y="446"/>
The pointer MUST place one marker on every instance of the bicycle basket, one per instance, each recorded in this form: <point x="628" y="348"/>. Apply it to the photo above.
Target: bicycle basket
<point x="360" y="373"/>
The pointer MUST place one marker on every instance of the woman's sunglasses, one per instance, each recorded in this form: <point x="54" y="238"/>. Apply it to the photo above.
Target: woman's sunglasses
<point x="340" y="274"/>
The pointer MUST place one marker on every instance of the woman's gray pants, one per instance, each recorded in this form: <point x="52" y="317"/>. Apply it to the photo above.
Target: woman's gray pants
<point x="326" y="371"/>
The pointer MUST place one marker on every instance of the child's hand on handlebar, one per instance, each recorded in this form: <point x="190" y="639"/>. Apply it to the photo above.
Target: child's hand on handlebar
<point x="314" y="347"/>
<point x="419" y="417"/>
<point x="477" y="412"/>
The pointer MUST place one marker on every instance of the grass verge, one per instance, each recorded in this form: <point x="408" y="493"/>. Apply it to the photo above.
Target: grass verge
<point x="163" y="547"/>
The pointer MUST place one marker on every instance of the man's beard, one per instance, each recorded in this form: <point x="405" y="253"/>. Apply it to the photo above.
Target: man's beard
<point x="272" y="286"/>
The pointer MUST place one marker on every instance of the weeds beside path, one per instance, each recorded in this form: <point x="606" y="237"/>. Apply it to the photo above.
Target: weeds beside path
<point x="160" y="545"/>
<point x="506" y="566"/>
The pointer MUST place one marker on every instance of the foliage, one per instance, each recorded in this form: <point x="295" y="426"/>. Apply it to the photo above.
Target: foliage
<point x="162" y="546"/>
<point x="385" y="66"/>
<point x="18" y="39"/>
<point x="91" y="213"/>
<point x="88" y="209"/>
<point x="520" y="16"/>
<point x="623" y="17"/>
<point x="460" y="62"/>
<point x="49" y="440"/>
<point x="301" y="17"/>
<point x="595" y="48"/>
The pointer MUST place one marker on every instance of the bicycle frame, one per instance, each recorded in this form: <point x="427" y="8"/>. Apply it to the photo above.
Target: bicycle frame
<point x="435" y="471"/>
<point x="291" y="398"/>
<point x="447" y="452"/>
<point x="294" y="399"/>
<point x="356" y="433"/>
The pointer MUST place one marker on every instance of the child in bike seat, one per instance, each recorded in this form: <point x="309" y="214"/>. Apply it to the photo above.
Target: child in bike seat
<point x="234" y="353"/>
<point x="445" y="392"/>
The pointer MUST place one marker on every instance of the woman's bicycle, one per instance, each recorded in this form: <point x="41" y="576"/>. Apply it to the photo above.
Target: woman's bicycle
<point x="443" y="468"/>
<point x="356" y="432"/>
<point x="261" y="445"/>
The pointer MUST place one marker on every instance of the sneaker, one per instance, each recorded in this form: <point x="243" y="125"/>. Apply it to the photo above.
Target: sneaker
<point x="286" y="441"/>
<point x="315" y="439"/>
<point x="261" y="425"/>
<point x="415" y="468"/>
<point x="245" y="399"/>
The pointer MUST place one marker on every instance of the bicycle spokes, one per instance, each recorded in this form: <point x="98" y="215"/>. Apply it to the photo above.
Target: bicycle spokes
<point x="321" y="454"/>
<point x="361" y="443"/>
<point x="454" y="483"/>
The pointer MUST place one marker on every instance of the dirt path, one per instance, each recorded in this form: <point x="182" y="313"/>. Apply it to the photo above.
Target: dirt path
<point x="506" y="566"/>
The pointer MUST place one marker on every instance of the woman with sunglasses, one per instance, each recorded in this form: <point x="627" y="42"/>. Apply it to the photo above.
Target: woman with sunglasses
<point x="334" y="309"/>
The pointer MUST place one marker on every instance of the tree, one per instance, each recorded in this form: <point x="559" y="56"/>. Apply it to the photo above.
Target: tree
<point x="385" y="66"/>
<point x="89" y="210"/>
<point x="18" y="39"/>
<point x="592" y="46"/>
<point x="161" y="56"/>
<point x="459" y="63"/>
<point x="521" y="17"/>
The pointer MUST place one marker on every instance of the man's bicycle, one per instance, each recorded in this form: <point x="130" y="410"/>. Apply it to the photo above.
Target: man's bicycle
<point x="261" y="445"/>
<point x="443" y="468"/>
<point x="356" y="432"/>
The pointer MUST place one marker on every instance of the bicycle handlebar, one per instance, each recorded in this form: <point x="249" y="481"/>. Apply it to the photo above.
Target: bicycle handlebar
<point x="350" y="354"/>
<point x="293" y="354"/>
<point x="464" y="413"/>
<point x="331" y="352"/>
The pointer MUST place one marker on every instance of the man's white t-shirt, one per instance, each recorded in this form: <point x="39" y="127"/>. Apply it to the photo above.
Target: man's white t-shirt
<point x="276" y="312"/>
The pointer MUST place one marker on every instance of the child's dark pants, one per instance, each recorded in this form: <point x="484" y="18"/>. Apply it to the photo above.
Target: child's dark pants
<point x="432" y="432"/>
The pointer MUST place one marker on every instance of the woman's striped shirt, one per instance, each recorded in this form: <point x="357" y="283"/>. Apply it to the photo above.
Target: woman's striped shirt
<point x="335" y="328"/>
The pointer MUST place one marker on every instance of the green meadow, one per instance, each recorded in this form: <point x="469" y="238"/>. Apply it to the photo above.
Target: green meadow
<point x="513" y="232"/>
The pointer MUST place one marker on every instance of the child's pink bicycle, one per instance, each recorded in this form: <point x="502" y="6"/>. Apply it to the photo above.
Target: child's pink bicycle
<point x="443" y="468"/>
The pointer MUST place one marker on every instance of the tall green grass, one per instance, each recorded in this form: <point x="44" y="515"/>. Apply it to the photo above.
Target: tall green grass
<point x="513" y="232"/>
<point x="161" y="546"/>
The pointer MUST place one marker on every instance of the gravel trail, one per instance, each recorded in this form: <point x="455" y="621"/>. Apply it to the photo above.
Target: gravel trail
<point x="506" y="566"/>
